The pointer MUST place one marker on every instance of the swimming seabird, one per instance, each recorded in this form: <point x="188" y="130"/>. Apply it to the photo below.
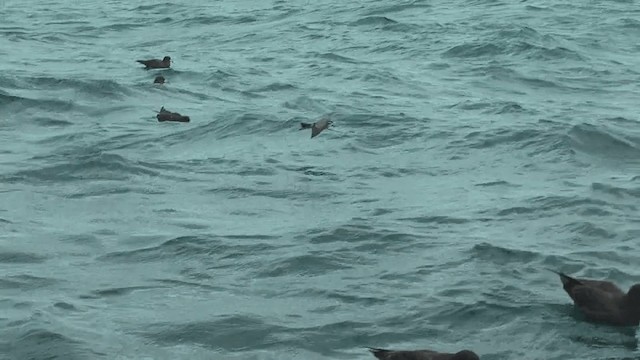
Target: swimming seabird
<point x="165" y="115"/>
<point x="156" y="63"/>
<point x="384" y="354"/>
<point x="603" y="301"/>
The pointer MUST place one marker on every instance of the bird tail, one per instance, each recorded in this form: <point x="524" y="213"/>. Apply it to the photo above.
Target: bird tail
<point x="379" y="353"/>
<point x="305" y="126"/>
<point x="553" y="271"/>
<point x="566" y="279"/>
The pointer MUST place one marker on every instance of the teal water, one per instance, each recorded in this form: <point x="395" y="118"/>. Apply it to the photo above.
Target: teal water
<point x="476" y="144"/>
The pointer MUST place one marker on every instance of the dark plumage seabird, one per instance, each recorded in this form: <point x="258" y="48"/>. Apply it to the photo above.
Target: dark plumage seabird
<point x="159" y="79"/>
<point x="603" y="301"/>
<point x="156" y="63"/>
<point x="383" y="354"/>
<point x="316" y="127"/>
<point x="165" y="115"/>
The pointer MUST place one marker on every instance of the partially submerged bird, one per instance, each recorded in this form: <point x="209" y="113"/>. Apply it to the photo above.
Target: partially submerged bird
<point x="384" y="354"/>
<point x="316" y="127"/>
<point x="156" y="63"/>
<point x="159" y="79"/>
<point x="603" y="301"/>
<point x="165" y="115"/>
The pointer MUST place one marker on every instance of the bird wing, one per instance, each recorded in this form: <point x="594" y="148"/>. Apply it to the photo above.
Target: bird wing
<point x="596" y="304"/>
<point x="151" y="62"/>
<point x="591" y="298"/>
<point x="315" y="130"/>
<point x="606" y="286"/>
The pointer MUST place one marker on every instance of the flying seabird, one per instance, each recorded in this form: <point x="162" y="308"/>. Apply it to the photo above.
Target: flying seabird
<point x="316" y="127"/>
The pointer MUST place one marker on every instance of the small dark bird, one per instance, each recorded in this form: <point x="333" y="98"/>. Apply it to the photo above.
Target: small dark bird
<point x="603" y="301"/>
<point x="316" y="127"/>
<point x="159" y="79"/>
<point x="165" y="115"/>
<point x="156" y="63"/>
<point x="383" y="354"/>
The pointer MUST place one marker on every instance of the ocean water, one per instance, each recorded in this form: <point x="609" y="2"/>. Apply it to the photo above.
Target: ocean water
<point x="476" y="145"/>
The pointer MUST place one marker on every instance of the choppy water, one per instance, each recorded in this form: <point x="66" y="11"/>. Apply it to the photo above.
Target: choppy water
<point x="476" y="144"/>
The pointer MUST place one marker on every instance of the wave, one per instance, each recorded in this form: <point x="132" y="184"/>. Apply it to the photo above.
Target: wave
<point x="385" y="23"/>
<point x="495" y="107"/>
<point x="437" y="220"/>
<point x="96" y="166"/>
<point x="39" y="343"/>
<point x="617" y="191"/>
<point x="253" y="192"/>
<point x="15" y="104"/>
<point x="25" y="282"/>
<point x="118" y="291"/>
<point x="87" y="87"/>
<point x="520" y="42"/>
<point x="181" y="246"/>
<point x="604" y="142"/>
<point x="374" y="20"/>
<point x="244" y="333"/>
<point x="231" y="333"/>
<point x="503" y="255"/>
<point x="548" y="205"/>
<point x="473" y="50"/>
<point x="227" y="252"/>
<point x="11" y="257"/>
<point x="589" y="229"/>
<point x="305" y="265"/>
<point x="536" y="140"/>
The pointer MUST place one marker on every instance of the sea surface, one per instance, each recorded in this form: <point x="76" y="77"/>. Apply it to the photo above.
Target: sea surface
<point x="477" y="144"/>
